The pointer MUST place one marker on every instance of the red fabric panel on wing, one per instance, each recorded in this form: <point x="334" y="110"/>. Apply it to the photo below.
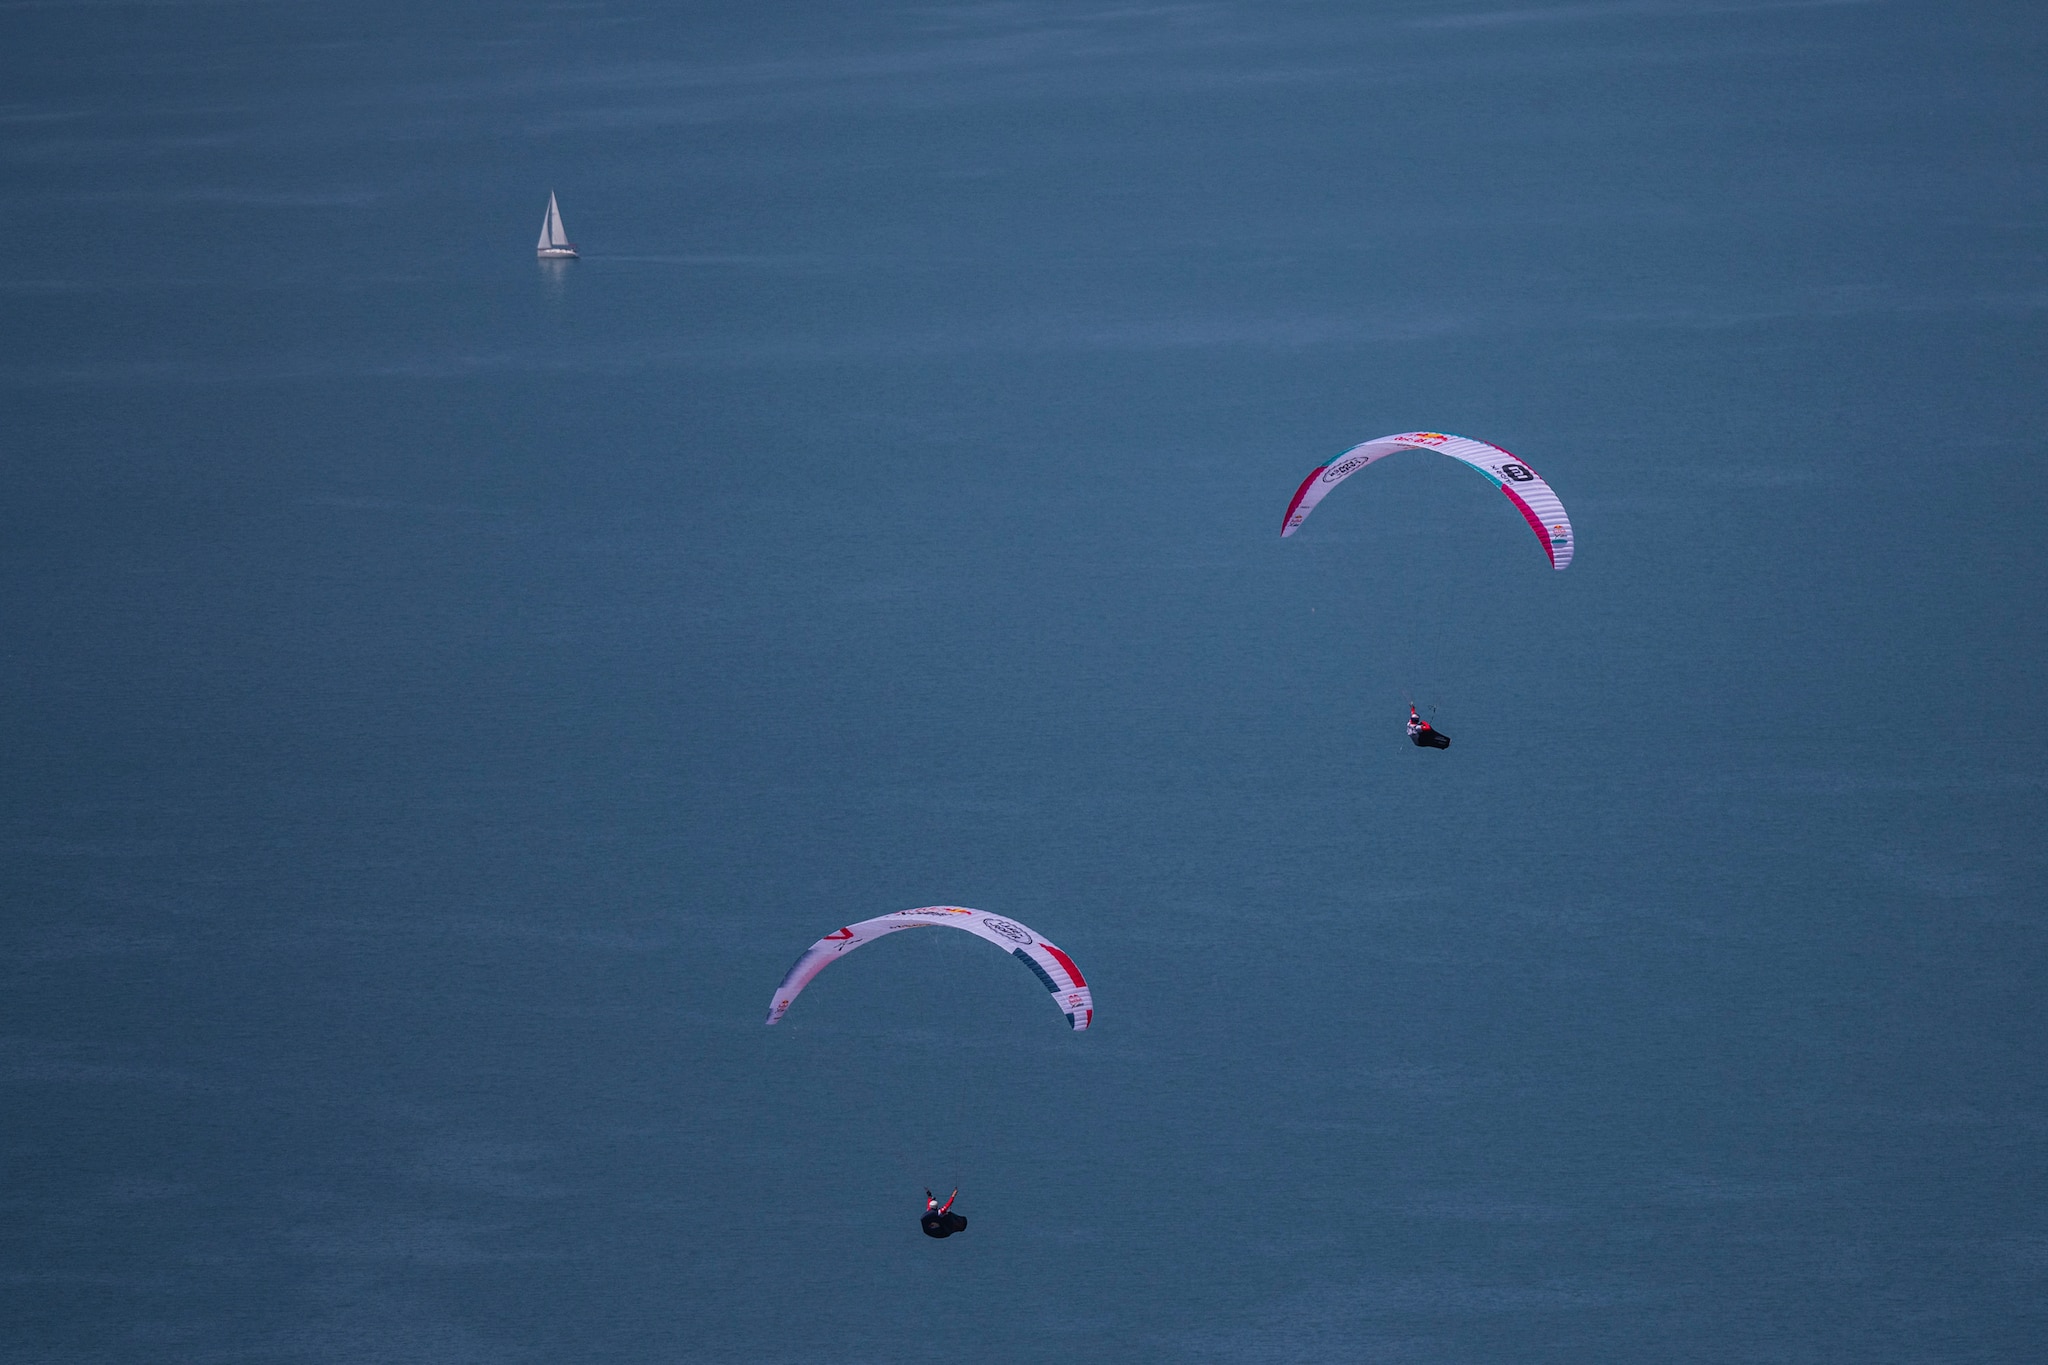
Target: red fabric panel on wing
<point x="1064" y="961"/>
<point x="1301" y="493"/>
<point x="1535" y="523"/>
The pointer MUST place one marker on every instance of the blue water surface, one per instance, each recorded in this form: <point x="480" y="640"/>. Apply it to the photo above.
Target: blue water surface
<point x="445" y="690"/>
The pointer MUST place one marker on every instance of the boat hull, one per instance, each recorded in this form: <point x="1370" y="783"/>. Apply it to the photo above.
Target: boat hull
<point x="556" y="253"/>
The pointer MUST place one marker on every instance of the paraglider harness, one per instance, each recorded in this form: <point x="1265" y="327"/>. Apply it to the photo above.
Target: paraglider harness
<point x="1423" y="735"/>
<point x="939" y="1219"/>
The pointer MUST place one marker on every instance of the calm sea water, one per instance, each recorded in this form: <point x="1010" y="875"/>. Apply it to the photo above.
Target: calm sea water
<point x="443" y="692"/>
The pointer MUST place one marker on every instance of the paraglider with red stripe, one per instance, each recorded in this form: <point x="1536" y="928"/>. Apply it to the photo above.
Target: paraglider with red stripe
<point x="1050" y="964"/>
<point x="1532" y="497"/>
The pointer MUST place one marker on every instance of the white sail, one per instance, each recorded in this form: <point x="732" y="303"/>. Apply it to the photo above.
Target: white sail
<point x="552" y="238"/>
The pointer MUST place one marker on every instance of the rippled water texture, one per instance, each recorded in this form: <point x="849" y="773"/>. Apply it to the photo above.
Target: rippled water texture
<point x="444" y="691"/>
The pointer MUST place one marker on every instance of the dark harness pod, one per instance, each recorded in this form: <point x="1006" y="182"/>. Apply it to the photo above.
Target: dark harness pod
<point x="942" y="1224"/>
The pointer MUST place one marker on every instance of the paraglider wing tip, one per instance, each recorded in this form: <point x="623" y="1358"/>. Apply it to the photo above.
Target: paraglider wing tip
<point x="1290" y="523"/>
<point x="1545" y="536"/>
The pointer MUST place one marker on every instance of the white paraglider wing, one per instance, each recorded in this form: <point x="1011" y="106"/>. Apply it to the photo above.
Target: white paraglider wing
<point x="1531" y="496"/>
<point x="1053" y="967"/>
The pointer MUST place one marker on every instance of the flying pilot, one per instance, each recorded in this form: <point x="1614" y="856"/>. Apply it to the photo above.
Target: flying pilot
<point x="1423" y="735"/>
<point x="939" y="1219"/>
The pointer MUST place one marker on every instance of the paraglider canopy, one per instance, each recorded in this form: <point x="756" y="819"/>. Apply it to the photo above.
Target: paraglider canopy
<point x="1054" y="969"/>
<point x="1531" y="496"/>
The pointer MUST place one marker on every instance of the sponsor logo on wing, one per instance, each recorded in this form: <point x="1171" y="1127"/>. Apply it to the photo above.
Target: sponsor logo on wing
<point x="934" y="911"/>
<point x="1560" y="533"/>
<point x="1346" y="466"/>
<point x="1016" y="933"/>
<point x="1426" y="438"/>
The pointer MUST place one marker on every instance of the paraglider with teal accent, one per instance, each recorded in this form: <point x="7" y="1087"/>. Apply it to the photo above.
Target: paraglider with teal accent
<point x="1526" y="489"/>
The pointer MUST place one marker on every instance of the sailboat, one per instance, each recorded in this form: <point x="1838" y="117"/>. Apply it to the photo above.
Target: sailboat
<point x="554" y="243"/>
